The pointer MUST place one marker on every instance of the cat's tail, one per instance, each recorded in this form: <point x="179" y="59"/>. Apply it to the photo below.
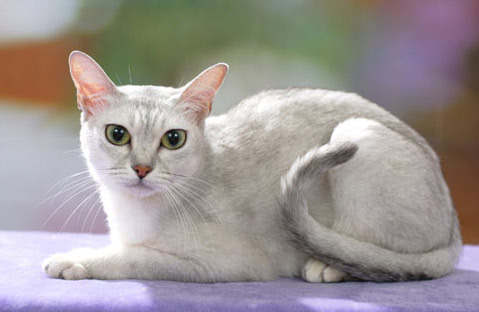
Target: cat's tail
<point x="361" y="260"/>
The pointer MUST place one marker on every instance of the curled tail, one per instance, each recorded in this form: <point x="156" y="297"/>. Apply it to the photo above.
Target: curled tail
<point x="361" y="260"/>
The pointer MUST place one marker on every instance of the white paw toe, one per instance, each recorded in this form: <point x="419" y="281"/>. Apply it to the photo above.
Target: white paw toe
<point x="332" y="275"/>
<point x="315" y="271"/>
<point x="61" y="267"/>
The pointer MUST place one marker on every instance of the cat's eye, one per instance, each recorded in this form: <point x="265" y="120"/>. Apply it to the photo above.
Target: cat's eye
<point x="117" y="135"/>
<point x="174" y="139"/>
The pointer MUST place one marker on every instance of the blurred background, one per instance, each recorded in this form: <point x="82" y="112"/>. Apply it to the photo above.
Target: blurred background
<point x="418" y="59"/>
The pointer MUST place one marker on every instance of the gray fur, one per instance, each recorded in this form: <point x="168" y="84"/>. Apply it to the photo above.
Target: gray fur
<point x="357" y="192"/>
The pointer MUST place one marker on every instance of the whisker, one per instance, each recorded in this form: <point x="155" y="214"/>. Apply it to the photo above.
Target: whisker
<point x="71" y="185"/>
<point x="129" y="73"/>
<point x="76" y="209"/>
<point x="205" y="221"/>
<point x="178" y="191"/>
<point x="73" y="151"/>
<point x="98" y="209"/>
<point x="194" y="191"/>
<point x="65" y="179"/>
<point x="118" y="77"/>
<point x="88" y="214"/>
<point x="111" y="168"/>
<point x="184" y="213"/>
<point x="114" y="173"/>
<point x="188" y="185"/>
<point x="192" y="227"/>
<point x="204" y="204"/>
<point x="65" y="202"/>
<point x="191" y="193"/>
<point x="177" y="216"/>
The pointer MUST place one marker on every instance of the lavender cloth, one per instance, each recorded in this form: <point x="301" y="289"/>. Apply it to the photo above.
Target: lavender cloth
<point x="24" y="287"/>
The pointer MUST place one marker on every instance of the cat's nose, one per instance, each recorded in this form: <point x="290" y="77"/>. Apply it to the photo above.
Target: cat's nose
<point x="141" y="171"/>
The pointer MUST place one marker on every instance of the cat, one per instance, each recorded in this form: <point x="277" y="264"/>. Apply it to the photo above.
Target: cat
<point x="309" y="183"/>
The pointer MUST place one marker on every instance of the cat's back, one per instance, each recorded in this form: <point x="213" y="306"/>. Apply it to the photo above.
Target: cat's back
<point x="279" y="119"/>
<point x="305" y="111"/>
<point x="271" y="107"/>
<point x="292" y="101"/>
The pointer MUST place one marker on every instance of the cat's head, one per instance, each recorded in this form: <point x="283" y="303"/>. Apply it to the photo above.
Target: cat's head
<point x="137" y="139"/>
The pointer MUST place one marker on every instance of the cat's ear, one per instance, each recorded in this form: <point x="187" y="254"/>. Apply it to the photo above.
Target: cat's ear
<point x="198" y="94"/>
<point x="93" y="85"/>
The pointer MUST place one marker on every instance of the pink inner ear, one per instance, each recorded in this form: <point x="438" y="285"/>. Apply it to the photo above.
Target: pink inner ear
<point x="90" y="80"/>
<point x="198" y="95"/>
<point x="91" y="89"/>
<point x="200" y="98"/>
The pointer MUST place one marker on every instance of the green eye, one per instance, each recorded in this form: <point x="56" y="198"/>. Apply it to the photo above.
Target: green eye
<point x="174" y="139"/>
<point x="117" y="135"/>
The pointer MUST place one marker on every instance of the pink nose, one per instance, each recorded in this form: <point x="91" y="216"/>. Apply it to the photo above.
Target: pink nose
<point x="142" y="171"/>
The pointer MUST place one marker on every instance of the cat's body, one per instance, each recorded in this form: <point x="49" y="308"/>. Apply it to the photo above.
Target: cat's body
<point x="379" y="208"/>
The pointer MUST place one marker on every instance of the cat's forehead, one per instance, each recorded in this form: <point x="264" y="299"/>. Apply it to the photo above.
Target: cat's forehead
<point x="144" y="107"/>
<point x="149" y="95"/>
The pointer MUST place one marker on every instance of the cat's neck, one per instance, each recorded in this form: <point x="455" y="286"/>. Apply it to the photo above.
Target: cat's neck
<point x="132" y="219"/>
<point x="139" y="220"/>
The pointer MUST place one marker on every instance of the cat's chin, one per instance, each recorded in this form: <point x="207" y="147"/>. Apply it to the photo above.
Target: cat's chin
<point x="140" y="189"/>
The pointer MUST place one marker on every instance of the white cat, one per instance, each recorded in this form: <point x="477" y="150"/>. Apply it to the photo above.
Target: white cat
<point x="297" y="182"/>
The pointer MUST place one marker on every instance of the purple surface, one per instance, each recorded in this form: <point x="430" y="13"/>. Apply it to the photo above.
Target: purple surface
<point x="24" y="287"/>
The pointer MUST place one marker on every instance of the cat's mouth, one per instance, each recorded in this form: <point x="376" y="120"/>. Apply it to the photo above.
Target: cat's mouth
<point x="141" y="188"/>
<point x="141" y="183"/>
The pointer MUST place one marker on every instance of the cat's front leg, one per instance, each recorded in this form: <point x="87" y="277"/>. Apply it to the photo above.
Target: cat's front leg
<point x="131" y="262"/>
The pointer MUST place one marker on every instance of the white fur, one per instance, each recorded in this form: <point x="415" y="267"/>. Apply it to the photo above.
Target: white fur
<point x="225" y="226"/>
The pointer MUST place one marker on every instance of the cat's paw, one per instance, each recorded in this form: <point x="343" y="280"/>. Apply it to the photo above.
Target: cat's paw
<point x="65" y="266"/>
<point x="315" y="271"/>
